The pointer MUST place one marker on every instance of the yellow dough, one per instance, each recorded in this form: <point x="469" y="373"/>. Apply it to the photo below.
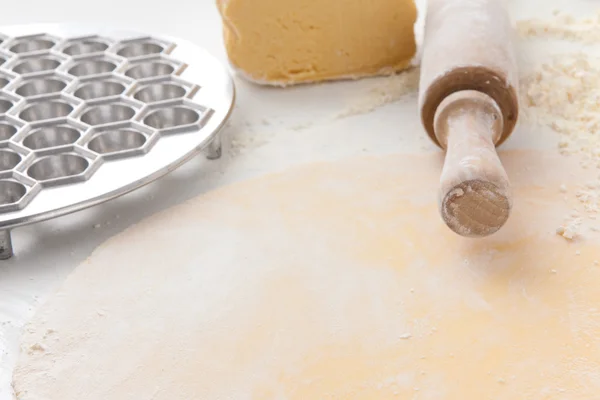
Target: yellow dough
<point x="283" y="42"/>
<point x="330" y="281"/>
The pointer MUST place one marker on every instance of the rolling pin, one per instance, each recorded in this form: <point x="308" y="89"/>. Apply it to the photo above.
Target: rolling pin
<point x="469" y="105"/>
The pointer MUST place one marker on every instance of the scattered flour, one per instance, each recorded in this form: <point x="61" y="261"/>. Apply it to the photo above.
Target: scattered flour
<point x="387" y="90"/>
<point x="37" y="347"/>
<point x="570" y="230"/>
<point x="562" y="27"/>
<point x="564" y="94"/>
<point x="246" y="137"/>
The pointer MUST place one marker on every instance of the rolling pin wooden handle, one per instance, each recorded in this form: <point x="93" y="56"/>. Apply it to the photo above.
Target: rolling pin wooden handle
<point x="475" y="198"/>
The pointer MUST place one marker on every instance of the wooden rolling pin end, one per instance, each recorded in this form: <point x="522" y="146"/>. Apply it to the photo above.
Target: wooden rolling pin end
<point x="475" y="208"/>
<point x="475" y="196"/>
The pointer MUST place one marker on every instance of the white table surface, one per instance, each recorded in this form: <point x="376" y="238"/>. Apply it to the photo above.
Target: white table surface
<point x="279" y="128"/>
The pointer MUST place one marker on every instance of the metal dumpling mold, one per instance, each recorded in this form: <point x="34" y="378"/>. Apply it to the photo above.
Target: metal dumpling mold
<point x="88" y="114"/>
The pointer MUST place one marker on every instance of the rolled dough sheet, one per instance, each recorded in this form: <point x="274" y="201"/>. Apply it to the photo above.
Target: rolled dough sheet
<point x="330" y="281"/>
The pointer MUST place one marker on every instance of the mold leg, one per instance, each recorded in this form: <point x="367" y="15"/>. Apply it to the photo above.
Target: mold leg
<point x="213" y="149"/>
<point x="6" y="250"/>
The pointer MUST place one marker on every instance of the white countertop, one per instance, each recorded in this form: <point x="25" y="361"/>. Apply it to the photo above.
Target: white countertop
<point x="275" y="130"/>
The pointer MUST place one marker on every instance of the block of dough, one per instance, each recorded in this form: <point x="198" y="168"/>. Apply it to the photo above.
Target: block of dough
<point x="286" y="42"/>
<point x="329" y="281"/>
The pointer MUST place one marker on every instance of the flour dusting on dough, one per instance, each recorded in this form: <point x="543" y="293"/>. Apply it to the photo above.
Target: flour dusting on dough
<point x="286" y="296"/>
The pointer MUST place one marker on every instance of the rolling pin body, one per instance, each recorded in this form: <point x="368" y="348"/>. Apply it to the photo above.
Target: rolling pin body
<point x="469" y="105"/>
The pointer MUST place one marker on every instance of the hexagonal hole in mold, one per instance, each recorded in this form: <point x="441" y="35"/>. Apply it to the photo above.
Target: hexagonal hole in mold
<point x="36" y="64"/>
<point x="92" y="67"/>
<point x="98" y="89"/>
<point x="3" y="59"/>
<point x="31" y="44"/>
<point x="5" y="80"/>
<point x="40" y="86"/>
<point x="11" y="192"/>
<point x="117" y="140"/>
<point x="150" y="69"/>
<point x="138" y="48"/>
<point x="57" y="166"/>
<point x="9" y="159"/>
<point x="79" y="47"/>
<point x="47" y="109"/>
<point x="51" y="136"/>
<point x="107" y="113"/>
<point x="5" y="105"/>
<point x="171" y="117"/>
<point x="160" y="91"/>
<point x="7" y="130"/>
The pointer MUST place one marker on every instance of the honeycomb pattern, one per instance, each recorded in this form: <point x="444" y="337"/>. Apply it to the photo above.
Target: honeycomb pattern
<point x="67" y="105"/>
